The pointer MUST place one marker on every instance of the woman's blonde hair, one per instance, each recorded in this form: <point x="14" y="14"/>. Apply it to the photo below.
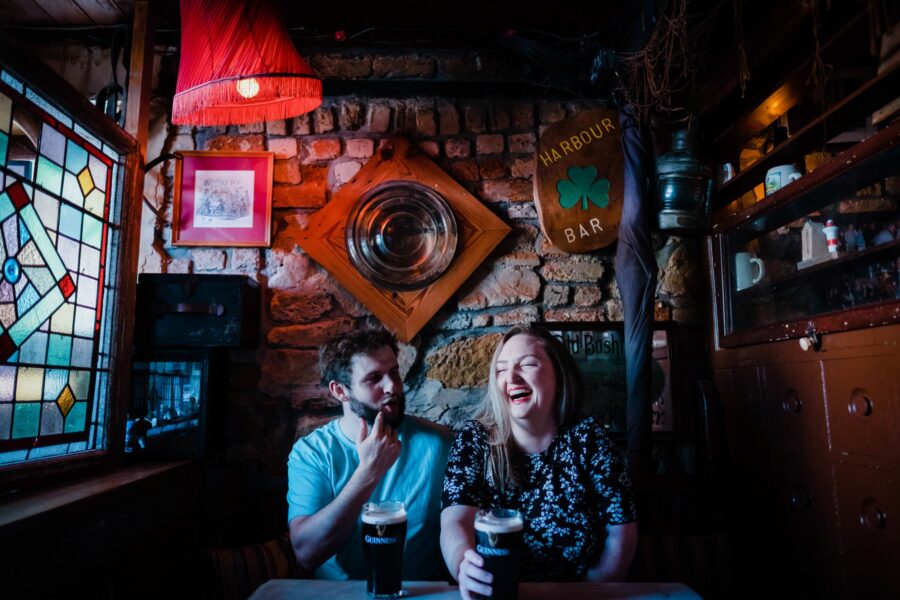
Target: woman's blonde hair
<point x="505" y="455"/>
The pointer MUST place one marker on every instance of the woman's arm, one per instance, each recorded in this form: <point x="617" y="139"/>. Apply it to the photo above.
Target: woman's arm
<point x="458" y="548"/>
<point x="621" y="543"/>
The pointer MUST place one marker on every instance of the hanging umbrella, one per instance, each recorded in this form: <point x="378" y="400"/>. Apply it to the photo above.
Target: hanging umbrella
<point x="636" y="276"/>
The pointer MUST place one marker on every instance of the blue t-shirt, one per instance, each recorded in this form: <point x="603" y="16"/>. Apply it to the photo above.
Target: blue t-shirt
<point x="321" y="464"/>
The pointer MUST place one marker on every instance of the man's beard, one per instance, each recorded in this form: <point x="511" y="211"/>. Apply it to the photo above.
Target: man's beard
<point x="368" y="413"/>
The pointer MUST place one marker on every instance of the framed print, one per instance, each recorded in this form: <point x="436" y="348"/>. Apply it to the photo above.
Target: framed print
<point x="223" y="199"/>
<point x="599" y="350"/>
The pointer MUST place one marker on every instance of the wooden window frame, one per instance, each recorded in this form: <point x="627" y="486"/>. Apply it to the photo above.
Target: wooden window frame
<point x="54" y="88"/>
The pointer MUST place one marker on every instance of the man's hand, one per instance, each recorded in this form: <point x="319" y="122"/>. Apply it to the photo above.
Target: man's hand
<point x="378" y="450"/>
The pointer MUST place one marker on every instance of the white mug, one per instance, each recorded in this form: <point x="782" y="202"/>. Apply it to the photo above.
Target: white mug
<point x="743" y="270"/>
<point x="780" y="176"/>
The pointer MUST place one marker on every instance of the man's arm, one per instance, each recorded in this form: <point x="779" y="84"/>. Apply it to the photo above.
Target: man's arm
<point x="315" y="538"/>
<point x="621" y="543"/>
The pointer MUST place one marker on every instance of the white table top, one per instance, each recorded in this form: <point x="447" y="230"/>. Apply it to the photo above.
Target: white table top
<point x="314" y="589"/>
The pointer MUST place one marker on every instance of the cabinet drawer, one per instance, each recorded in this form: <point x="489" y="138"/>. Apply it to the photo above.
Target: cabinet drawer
<point x="795" y="409"/>
<point x="806" y="531"/>
<point x="869" y="512"/>
<point x="862" y="396"/>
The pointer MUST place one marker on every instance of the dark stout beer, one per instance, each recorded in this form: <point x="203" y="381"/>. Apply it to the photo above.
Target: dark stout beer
<point x="383" y="539"/>
<point x="498" y="539"/>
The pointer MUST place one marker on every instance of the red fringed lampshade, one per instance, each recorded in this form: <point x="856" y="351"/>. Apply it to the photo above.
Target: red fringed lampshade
<point x="238" y="65"/>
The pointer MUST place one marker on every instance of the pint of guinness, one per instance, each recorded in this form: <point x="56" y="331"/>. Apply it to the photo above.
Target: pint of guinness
<point x="383" y="539"/>
<point x="498" y="539"/>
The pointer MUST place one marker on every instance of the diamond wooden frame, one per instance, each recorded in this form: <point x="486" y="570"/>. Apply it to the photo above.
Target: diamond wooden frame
<point x="403" y="312"/>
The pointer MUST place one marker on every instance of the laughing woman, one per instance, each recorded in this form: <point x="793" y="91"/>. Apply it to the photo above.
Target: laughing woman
<point x="528" y="450"/>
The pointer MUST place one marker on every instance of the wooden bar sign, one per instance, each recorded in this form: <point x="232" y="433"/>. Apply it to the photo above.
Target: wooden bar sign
<point x="579" y="181"/>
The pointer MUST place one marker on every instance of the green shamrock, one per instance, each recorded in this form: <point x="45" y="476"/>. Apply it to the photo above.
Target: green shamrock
<point x="581" y="186"/>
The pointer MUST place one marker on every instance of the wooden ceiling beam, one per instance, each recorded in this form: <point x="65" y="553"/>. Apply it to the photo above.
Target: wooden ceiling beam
<point x="140" y="75"/>
<point x="103" y="12"/>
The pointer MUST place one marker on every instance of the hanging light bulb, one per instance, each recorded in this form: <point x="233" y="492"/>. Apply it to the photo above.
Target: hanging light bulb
<point x="248" y="87"/>
<point x="248" y="72"/>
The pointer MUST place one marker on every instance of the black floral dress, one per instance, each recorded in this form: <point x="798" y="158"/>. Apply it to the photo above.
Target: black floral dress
<point x="571" y="491"/>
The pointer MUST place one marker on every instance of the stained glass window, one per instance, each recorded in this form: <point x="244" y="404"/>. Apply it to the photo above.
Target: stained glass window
<point x="59" y="212"/>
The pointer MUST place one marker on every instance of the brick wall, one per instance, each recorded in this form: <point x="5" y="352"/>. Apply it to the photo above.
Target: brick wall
<point x="487" y="146"/>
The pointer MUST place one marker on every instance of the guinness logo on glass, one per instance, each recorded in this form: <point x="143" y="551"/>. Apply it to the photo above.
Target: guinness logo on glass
<point x="492" y="539"/>
<point x="380" y="529"/>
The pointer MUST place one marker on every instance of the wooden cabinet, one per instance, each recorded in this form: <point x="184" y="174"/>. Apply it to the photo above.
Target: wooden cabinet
<point x="863" y="402"/>
<point x="815" y="447"/>
<point x="814" y="434"/>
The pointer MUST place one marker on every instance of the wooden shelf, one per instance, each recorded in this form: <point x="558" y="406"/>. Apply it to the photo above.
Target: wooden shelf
<point x="843" y="115"/>
<point x="875" y="157"/>
<point x="817" y="270"/>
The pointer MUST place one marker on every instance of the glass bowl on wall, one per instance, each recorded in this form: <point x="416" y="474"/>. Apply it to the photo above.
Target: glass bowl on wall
<point x="401" y="235"/>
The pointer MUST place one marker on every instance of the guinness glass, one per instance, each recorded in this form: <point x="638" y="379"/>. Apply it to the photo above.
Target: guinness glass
<point x="383" y="538"/>
<point x="498" y="539"/>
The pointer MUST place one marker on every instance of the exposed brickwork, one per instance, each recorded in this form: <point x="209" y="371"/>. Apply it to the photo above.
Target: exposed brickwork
<point x="487" y="146"/>
<point x="350" y="116"/>
<point x="337" y="66"/>
<point x="457" y="148"/>
<point x="287" y="171"/>
<point x="378" y="118"/>
<point x="344" y="172"/>
<point x="493" y="168"/>
<point x="405" y="66"/>
<point x="509" y="191"/>
<point x="323" y="119"/>
<point x="283" y="147"/>
<point x="474" y="118"/>
<point x="448" y="118"/>
<point x="322" y="149"/>
<point x="360" y="148"/>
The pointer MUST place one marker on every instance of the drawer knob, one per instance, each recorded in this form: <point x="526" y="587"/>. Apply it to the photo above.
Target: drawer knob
<point x="860" y="404"/>
<point x="872" y="517"/>
<point x="791" y="402"/>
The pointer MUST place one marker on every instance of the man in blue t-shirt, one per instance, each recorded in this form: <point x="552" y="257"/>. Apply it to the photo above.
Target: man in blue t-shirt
<point x="372" y="453"/>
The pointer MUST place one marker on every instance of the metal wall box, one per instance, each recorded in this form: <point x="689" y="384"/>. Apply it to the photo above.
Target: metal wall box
<point x="197" y="310"/>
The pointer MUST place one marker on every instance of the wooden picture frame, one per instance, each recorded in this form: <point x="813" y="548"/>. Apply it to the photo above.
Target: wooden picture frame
<point x="223" y="199"/>
<point x="599" y="350"/>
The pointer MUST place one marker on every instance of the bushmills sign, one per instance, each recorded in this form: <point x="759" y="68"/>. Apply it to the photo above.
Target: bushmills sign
<point x="579" y="179"/>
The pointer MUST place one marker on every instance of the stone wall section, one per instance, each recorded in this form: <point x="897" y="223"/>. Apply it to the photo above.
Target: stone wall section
<point x="488" y="147"/>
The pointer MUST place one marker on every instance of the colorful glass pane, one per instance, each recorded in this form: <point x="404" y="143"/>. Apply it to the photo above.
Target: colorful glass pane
<point x="99" y="172"/>
<point x="47" y="208"/>
<point x="5" y="420"/>
<point x="34" y="350"/>
<point x="12" y="81"/>
<point x="61" y="321"/>
<point x="53" y="144"/>
<point x="49" y="175"/>
<point x="76" y="417"/>
<point x="51" y="419"/>
<point x="51" y="252"/>
<point x="76" y="157"/>
<point x="26" y="418"/>
<point x="72" y="189"/>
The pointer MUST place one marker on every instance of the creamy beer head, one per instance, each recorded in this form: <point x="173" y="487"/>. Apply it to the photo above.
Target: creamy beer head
<point x="499" y="520"/>
<point x="384" y="513"/>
